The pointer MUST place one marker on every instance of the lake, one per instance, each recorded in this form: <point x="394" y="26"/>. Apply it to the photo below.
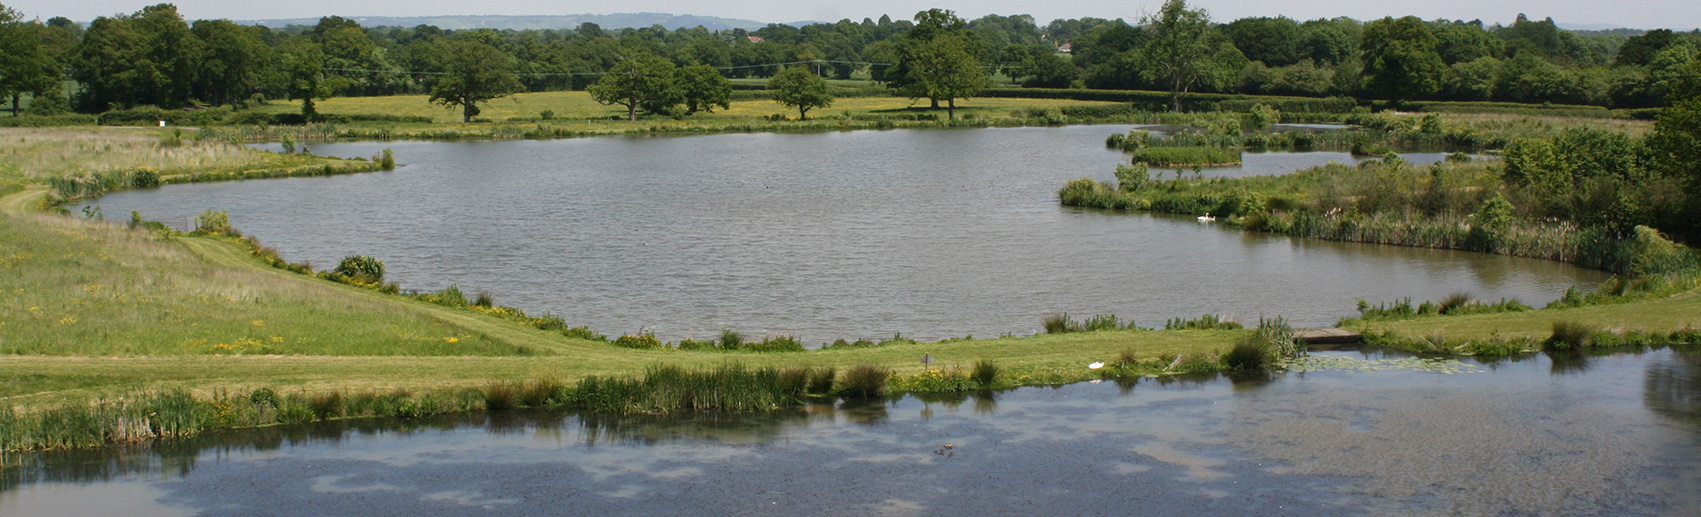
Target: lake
<point x="1358" y="432"/>
<point x="860" y="234"/>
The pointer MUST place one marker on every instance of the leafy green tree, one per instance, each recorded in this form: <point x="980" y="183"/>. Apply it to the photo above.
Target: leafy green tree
<point x="168" y="56"/>
<point x="1675" y="145"/>
<point x="1461" y="42"/>
<point x="26" y="65"/>
<point x="1640" y="50"/>
<point x="638" y="82"/>
<point x="1328" y="41"/>
<point x="1015" y="61"/>
<point x="800" y="88"/>
<point x="1273" y="41"/>
<point x="1400" y="61"/>
<point x="235" y="57"/>
<point x="1177" y="53"/>
<point x="1048" y="70"/>
<point x="303" y="69"/>
<point x="945" y="70"/>
<point x="474" y="72"/>
<point x="1475" y="80"/>
<point x="704" y="88"/>
<point x="104" y="64"/>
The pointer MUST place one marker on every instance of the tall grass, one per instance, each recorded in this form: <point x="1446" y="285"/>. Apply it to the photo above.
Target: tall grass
<point x="671" y="389"/>
<point x="1205" y="322"/>
<point x="1186" y="156"/>
<point x="1570" y="335"/>
<point x="864" y="381"/>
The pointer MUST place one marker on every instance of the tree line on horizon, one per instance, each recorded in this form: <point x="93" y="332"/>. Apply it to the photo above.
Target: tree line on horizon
<point x="154" y="57"/>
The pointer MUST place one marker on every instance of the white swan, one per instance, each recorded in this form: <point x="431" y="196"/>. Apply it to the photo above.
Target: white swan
<point x="1206" y="218"/>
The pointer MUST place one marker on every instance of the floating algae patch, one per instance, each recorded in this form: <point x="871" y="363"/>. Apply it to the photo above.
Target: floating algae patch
<point x="1414" y="364"/>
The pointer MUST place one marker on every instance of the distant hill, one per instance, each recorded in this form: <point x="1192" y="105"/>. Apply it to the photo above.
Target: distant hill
<point x="606" y="21"/>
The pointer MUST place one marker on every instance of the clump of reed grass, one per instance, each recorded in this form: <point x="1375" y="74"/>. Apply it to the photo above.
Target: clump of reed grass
<point x="821" y="379"/>
<point x="500" y="395"/>
<point x="984" y="372"/>
<point x="1205" y="322"/>
<point x="863" y="381"/>
<point x="1059" y="323"/>
<point x="1127" y="358"/>
<point x="1186" y="156"/>
<point x="669" y="389"/>
<point x="327" y="406"/>
<point x="1455" y="301"/>
<point x="1247" y="355"/>
<point x="1570" y="335"/>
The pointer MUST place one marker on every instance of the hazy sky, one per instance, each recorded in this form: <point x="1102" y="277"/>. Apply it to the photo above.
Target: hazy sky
<point x="1683" y="14"/>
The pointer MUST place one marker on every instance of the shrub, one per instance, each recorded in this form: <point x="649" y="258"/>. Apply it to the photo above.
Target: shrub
<point x="692" y="344"/>
<point x="583" y="332"/>
<point x="864" y="381"/>
<point x="643" y="340"/>
<point x="1262" y="116"/>
<point x="1131" y="178"/>
<point x="213" y="222"/>
<point x="731" y="339"/>
<point x="362" y="268"/>
<point x="144" y="177"/>
<point x="451" y="297"/>
<point x="775" y="344"/>
<point x="265" y="398"/>
<point x="984" y="372"/>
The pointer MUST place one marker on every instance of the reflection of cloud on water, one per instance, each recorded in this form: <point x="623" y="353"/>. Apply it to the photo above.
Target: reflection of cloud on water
<point x="1199" y="468"/>
<point x="468" y="499"/>
<point x="339" y="485"/>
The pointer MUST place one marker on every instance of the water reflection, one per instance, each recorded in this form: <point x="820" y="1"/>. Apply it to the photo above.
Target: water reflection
<point x="1672" y="386"/>
<point x="1525" y="435"/>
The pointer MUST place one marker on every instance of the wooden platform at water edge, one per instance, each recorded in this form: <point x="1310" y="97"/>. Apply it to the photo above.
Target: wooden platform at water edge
<point x="1329" y="337"/>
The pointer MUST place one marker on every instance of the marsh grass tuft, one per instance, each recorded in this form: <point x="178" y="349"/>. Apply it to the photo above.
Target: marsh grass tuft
<point x="864" y="381"/>
<point x="984" y="372"/>
<point x="1059" y="323"/>
<point x="1205" y="322"/>
<point x="1247" y="355"/>
<point x="1570" y="335"/>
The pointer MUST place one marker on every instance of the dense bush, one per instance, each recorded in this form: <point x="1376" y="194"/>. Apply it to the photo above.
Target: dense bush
<point x="366" y="270"/>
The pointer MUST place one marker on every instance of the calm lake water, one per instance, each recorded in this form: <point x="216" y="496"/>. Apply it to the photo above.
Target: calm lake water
<point x="1618" y="435"/>
<point x="863" y="234"/>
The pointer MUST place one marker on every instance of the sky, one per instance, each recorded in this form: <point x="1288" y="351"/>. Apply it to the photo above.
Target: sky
<point x="1642" y="14"/>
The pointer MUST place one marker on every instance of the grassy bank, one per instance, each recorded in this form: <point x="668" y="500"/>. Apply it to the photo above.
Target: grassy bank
<point x="104" y="322"/>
